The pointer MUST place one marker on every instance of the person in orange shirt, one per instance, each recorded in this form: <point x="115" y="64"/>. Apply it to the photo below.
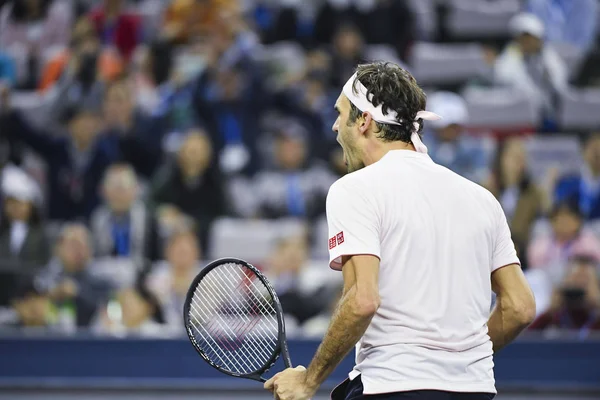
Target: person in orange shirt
<point x="84" y="57"/>
<point x="185" y="19"/>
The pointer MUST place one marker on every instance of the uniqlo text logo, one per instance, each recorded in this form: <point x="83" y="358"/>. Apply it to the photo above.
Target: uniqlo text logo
<point x="332" y="243"/>
<point x="340" y="238"/>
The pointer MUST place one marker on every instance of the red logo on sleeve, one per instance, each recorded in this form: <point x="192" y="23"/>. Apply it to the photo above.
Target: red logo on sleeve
<point x="340" y="237"/>
<point x="332" y="243"/>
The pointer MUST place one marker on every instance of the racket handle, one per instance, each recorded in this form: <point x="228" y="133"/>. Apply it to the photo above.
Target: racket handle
<point x="285" y="353"/>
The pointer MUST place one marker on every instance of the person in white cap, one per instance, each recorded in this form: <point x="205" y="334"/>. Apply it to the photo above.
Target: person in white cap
<point x="421" y="249"/>
<point x="528" y="64"/>
<point x="448" y="143"/>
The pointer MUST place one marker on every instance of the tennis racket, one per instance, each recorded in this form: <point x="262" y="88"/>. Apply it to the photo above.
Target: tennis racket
<point x="234" y="319"/>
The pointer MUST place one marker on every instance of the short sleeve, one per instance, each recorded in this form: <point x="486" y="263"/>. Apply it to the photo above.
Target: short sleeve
<point x="504" y="252"/>
<point x="353" y="224"/>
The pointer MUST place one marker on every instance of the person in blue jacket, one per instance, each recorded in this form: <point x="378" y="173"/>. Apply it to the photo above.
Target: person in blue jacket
<point x="584" y="187"/>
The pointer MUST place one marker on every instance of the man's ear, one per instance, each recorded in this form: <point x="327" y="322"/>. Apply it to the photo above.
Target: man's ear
<point x="365" y="123"/>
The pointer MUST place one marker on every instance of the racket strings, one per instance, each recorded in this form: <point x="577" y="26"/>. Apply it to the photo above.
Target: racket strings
<point x="234" y="319"/>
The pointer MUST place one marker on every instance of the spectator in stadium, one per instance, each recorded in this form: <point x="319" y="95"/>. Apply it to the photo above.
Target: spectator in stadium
<point x="170" y="281"/>
<point x="70" y="278"/>
<point x="152" y="65"/>
<point x="81" y="70"/>
<point x="230" y="98"/>
<point x="521" y="198"/>
<point x="123" y="226"/>
<point x="31" y="306"/>
<point x="30" y="28"/>
<point x="134" y="137"/>
<point x="347" y="52"/>
<point x="75" y="163"/>
<point x="575" y="302"/>
<point x="185" y="19"/>
<point x="449" y="145"/>
<point x="296" y="186"/>
<point x="286" y="269"/>
<point x="584" y="188"/>
<point x="116" y="27"/>
<point x="23" y="237"/>
<point x="193" y="184"/>
<point x="534" y="67"/>
<point x="8" y="72"/>
<point x="140" y="314"/>
<point x="568" y="236"/>
<point x="170" y="220"/>
<point x="567" y="21"/>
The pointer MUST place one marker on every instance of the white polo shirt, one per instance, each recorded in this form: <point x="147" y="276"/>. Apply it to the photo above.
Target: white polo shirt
<point x="439" y="237"/>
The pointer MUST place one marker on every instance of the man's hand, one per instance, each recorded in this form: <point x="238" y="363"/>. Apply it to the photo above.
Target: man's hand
<point x="291" y="385"/>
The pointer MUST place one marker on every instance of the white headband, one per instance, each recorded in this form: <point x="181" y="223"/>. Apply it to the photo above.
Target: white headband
<point x="358" y="95"/>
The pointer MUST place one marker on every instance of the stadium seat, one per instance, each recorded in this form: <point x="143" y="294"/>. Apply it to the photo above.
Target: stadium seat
<point x="251" y="240"/>
<point x="580" y="109"/>
<point x="481" y="19"/>
<point x="571" y="55"/>
<point x="499" y="108"/>
<point x="447" y="63"/>
<point x="320" y="237"/>
<point x="426" y="17"/>
<point x="382" y="52"/>
<point x="560" y="152"/>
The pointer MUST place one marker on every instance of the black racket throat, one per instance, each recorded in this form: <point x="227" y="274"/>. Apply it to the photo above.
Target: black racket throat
<point x="234" y="319"/>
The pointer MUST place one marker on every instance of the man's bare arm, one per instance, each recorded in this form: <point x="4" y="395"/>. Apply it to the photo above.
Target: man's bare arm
<point x="358" y="305"/>
<point x="515" y="305"/>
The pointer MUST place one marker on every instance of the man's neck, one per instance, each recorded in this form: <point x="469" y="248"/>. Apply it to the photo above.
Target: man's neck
<point x="379" y="150"/>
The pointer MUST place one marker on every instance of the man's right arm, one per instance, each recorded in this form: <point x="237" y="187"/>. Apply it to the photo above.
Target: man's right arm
<point x="515" y="305"/>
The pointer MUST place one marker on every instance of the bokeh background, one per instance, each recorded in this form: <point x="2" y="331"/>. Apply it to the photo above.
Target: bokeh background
<point x="141" y="139"/>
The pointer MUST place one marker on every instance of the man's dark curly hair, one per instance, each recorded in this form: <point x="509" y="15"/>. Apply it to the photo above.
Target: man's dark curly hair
<point x="396" y="90"/>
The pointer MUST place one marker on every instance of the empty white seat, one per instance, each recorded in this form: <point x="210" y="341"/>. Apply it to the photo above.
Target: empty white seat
<point x="580" y="109"/>
<point x="251" y="240"/>
<point x="560" y="152"/>
<point x="447" y="63"/>
<point x="499" y="108"/>
<point x="477" y="18"/>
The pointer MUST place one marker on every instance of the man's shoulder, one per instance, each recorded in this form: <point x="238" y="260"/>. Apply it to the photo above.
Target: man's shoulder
<point x="357" y="180"/>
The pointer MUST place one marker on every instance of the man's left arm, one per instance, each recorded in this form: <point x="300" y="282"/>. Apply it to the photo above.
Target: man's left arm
<point x="350" y="320"/>
<point x="358" y="305"/>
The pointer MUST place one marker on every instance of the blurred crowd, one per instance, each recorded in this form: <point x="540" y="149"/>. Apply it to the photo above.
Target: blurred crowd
<point x="139" y="139"/>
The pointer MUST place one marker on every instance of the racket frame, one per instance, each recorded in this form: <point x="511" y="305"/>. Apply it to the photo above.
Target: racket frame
<point x="280" y="350"/>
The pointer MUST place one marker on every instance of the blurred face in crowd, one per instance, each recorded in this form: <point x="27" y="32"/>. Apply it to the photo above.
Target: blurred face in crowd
<point x="529" y="44"/>
<point x="84" y="129"/>
<point x="449" y="133"/>
<point x="513" y="161"/>
<point x="118" y="105"/>
<point x="592" y="154"/>
<point x="74" y="248"/>
<point x="290" y="256"/>
<point x="183" y="253"/>
<point x="348" y="135"/>
<point x="290" y="152"/>
<point x="348" y="42"/>
<point x="17" y="210"/>
<point x="581" y="287"/>
<point x="120" y="188"/>
<point x="135" y="309"/>
<point x="33" y="309"/>
<point x="566" y="224"/>
<point x="194" y="155"/>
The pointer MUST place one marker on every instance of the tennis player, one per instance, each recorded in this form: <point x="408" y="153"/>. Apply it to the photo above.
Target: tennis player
<point x="421" y="249"/>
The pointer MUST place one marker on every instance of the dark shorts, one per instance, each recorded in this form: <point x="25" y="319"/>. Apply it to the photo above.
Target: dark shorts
<point x="353" y="390"/>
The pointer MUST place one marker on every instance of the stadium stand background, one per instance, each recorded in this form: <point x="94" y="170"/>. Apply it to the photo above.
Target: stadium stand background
<point x="141" y="139"/>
